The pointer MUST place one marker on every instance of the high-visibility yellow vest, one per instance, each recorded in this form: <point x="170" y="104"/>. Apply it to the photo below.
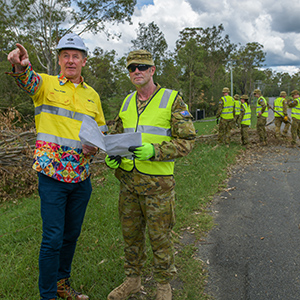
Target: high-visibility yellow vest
<point x="154" y="122"/>
<point x="237" y="105"/>
<point x="228" y="105"/>
<point x="278" y="107"/>
<point x="259" y="107"/>
<point x="247" y="116"/>
<point x="295" y="113"/>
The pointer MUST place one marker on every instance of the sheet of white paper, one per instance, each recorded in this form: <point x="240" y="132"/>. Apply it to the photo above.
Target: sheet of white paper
<point x="90" y="134"/>
<point x="118" y="144"/>
<point x="114" y="144"/>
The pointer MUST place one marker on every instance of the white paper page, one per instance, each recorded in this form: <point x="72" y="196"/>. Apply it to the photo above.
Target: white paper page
<point x="90" y="134"/>
<point x="112" y="144"/>
<point x="118" y="144"/>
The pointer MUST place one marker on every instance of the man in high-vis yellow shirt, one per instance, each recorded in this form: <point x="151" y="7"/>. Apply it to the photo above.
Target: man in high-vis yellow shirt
<point x="60" y="159"/>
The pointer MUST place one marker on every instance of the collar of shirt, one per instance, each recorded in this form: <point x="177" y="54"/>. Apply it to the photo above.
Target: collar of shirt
<point x="63" y="80"/>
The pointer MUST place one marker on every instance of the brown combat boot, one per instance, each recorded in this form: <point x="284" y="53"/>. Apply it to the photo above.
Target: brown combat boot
<point x="131" y="285"/>
<point x="65" y="291"/>
<point x="164" y="292"/>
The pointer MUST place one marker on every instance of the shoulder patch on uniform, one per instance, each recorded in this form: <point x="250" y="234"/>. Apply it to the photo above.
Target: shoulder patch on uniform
<point x="185" y="113"/>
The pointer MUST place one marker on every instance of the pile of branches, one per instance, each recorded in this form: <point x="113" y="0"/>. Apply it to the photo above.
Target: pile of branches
<point x="17" y="142"/>
<point x="16" y="150"/>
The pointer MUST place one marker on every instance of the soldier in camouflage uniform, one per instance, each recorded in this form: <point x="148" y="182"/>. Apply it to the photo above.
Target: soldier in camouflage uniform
<point x="147" y="196"/>
<point x="226" y="114"/>
<point x="295" y="114"/>
<point x="244" y="120"/>
<point x="281" y="115"/>
<point x="237" y="110"/>
<point x="262" y="115"/>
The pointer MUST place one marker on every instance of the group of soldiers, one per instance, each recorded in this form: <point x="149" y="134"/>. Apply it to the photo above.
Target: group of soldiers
<point x="236" y="112"/>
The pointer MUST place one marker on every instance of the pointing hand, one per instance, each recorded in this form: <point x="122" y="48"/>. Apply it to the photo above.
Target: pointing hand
<point x="19" y="58"/>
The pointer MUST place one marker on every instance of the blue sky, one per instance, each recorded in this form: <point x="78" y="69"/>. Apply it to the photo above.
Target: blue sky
<point x="141" y="3"/>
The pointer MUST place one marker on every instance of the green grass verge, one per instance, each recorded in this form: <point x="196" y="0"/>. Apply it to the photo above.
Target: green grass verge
<point x="98" y="262"/>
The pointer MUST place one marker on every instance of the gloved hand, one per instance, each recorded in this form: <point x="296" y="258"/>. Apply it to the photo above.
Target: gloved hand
<point x="217" y="120"/>
<point x="113" y="161"/>
<point x="286" y="119"/>
<point x="143" y="152"/>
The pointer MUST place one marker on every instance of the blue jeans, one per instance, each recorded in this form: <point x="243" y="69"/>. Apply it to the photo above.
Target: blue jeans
<point x="63" y="207"/>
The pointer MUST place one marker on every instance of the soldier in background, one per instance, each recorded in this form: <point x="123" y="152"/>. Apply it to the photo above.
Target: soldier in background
<point x="244" y="120"/>
<point x="147" y="196"/>
<point x="226" y="114"/>
<point x="295" y="114"/>
<point x="281" y="115"/>
<point x="237" y="110"/>
<point x="262" y="115"/>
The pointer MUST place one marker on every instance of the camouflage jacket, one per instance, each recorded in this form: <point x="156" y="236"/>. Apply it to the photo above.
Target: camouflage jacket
<point x="183" y="133"/>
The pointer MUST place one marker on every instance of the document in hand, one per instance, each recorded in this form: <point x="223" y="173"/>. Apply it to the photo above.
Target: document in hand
<point x="112" y="144"/>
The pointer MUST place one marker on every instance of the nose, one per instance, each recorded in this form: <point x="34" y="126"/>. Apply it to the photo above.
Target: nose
<point x="70" y="60"/>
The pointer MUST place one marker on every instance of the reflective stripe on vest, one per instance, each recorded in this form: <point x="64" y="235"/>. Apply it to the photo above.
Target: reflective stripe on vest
<point x="247" y="116"/>
<point x="259" y="107"/>
<point x="278" y="107"/>
<point x="55" y="112"/>
<point x="227" y="111"/>
<point x="158" y="113"/>
<point x="295" y="113"/>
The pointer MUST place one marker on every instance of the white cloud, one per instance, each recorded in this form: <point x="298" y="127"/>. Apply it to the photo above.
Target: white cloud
<point x="263" y="21"/>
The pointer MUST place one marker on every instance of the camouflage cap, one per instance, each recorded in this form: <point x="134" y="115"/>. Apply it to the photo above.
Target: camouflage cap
<point x="226" y="90"/>
<point x="139" y="57"/>
<point x="236" y="96"/>
<point x="282" y="94"/>
<point x="244" y="97"/>
<point x="257" y="91"/>
<point x="294" y="92"/>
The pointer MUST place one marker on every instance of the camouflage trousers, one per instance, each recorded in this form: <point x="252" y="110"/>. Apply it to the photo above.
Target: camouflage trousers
<point x="235" y="123"/>
<point x="295" y="130"/>
<point x="261" y="128"/>
<point x="224" y="130"/>
<point x="278" y="122"/>
<point x="157" y="213"/>
<point x="244" y="134"/>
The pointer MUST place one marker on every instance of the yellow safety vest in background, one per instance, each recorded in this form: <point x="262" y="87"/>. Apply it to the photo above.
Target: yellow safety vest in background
<point x="295" y="113"/>
<point x="278" y="107"/>
<point x="228" y="105"/>
<point x="247" y="116"/>
<point x="259" y="107"/>
<point x="155" y="125"/>
<point x="237" y="105"/>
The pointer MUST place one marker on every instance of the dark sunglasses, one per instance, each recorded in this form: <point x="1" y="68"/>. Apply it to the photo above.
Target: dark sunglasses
<point x="132" y="68"/>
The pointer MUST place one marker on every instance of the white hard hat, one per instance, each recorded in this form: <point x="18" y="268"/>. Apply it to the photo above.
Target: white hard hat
<point x="71" y="41"/>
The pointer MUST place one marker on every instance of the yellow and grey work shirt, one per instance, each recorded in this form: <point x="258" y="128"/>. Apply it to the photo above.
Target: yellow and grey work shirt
<point x="59" y="109"/>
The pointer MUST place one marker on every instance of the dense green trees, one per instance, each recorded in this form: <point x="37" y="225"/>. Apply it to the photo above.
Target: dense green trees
<point x="202" y="63"/>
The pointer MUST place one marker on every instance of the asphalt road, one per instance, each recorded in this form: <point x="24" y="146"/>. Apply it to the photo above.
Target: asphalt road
<point x="254" y="250"/>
